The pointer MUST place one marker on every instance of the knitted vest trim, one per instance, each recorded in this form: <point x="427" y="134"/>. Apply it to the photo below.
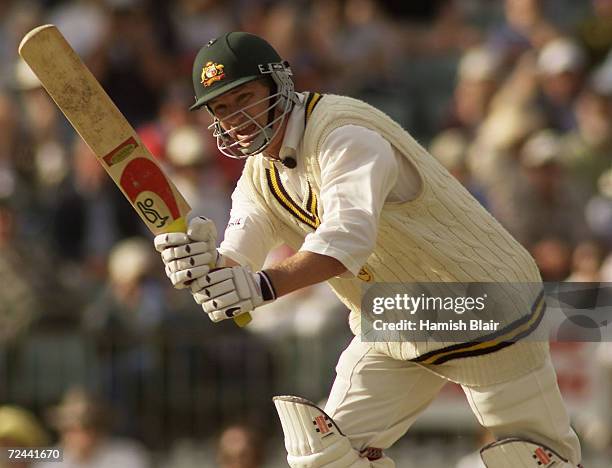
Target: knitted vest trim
<point x="489" y="343"/>
<point x="307" y="216"/>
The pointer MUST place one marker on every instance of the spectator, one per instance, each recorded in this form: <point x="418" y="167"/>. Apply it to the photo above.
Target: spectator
<point x="494" y="156"/>
<point x="526" y="27"/>
<point x="601" y="78"/>
<point x="451" y="149"/>
<point x="29" y="289"/>
<point x="132" y="302"/>
<point x="83" y="23"/>
<point x="173" y="113"/>
<point x="587" y="260"/>
<point x="89" y="217"/>
<point x="561" y="67"/>
<point x="365" y="48"/>
<point x="130" y="57"/>
<point x="16" y="19"/>
<point x="553" y="257"/>
<point x="445" y="31"/>
<point x="240" y="447"/>
<point x="328" y="16"/>
<point x="598" y="210"/>
<point x="40" y="161"/>
<point x="543" y="204"/>
<point x="478" y="78"/>
<point x="20" y="306"/>
<point x="197" y="174"/>
<point x="595" y="32"/>
<point x="122" y="322"/>
<point x="85" y="427"/>
<point x="588" y="148"/>
<point x="20" y="428"/>
<point x="11" y="142"/>
<point x="198" y="21"/>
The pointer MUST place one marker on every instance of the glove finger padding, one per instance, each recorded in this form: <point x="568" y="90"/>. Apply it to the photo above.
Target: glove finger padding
<point x="215" y="290"/>
<point x="221" y="302"/>
<point x="215" y="276"/>
<point x="194" y="248"/>
<point x="227" y="292"/>
<point x="190" y="262"/>
<point x="170" y="239"/>
<point x="183" y="278"/>
<point x="240" y="279"/>
<point x="188" y="256"/>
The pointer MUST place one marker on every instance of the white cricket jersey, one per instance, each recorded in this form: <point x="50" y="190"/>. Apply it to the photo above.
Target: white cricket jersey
<point x="360" y="171"/>
<point x="442" y="234"/>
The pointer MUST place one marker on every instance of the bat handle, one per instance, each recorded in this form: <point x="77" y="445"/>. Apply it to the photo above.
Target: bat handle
<point x="243" y="320"/>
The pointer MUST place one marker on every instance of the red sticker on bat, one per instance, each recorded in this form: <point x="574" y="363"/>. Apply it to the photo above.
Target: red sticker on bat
<point x="143" y="175"/>
<point x="121" y="152"/>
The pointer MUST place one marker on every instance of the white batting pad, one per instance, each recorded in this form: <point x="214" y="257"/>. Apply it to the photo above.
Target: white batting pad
<point x="312" y="438"/>
<point x="521" y="453"/>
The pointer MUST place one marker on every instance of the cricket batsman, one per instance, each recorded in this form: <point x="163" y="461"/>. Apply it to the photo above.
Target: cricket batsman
<point x="360" y="201"/>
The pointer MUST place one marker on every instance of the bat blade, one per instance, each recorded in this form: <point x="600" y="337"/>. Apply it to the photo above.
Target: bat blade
<point x="104" y="129"/>
<point x="107" y="132"/>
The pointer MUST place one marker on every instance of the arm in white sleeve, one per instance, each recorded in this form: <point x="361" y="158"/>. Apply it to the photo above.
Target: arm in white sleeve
<point x="249" y="235"/>
<point x="358" y="170"/>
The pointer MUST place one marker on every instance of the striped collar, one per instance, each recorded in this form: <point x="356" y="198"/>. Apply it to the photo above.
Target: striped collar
<point x="308" y="213"/>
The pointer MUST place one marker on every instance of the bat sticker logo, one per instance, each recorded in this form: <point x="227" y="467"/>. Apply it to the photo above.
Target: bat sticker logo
<point x="148" y="189"/>
<point x="150" y="213"/>
<point x="121" y="152"/>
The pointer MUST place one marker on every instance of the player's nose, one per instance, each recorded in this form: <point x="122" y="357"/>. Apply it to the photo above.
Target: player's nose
<point x="235" y="120"/>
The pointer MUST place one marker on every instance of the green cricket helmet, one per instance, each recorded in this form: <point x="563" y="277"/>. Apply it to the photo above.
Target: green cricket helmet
<point x="230" y="61"/>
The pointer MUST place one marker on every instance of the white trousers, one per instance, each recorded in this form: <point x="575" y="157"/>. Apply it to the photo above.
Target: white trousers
<point x="375" y="399"/>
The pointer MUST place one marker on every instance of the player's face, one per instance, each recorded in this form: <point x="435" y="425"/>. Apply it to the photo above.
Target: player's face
<point x="243" y="111"/>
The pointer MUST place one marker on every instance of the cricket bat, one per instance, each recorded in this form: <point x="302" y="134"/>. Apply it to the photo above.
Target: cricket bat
<point x="107" y="132"/>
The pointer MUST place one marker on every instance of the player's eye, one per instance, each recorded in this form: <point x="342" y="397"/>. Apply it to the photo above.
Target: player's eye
<point x="220" y="110"/>
<point x="244" y="99"/>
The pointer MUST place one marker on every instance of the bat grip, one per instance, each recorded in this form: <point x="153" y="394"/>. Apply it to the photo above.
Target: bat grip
<point x="243" y="320"/>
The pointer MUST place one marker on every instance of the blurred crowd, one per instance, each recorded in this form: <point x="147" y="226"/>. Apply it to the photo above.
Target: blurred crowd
<point x="514" y="97"/>
<point x="530" y="134"/>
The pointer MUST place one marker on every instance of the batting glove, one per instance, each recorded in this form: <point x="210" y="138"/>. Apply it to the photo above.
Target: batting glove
<point x="227" y="292"/>
<point x="188" y="256"/>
